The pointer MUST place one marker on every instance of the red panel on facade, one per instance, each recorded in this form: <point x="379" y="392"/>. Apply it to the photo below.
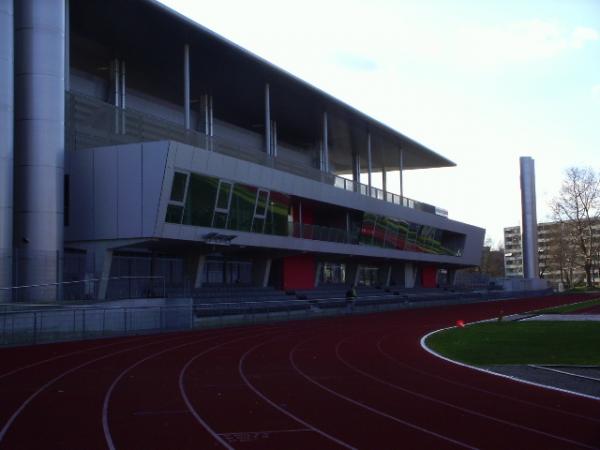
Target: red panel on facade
<point x="428" y="276"/>
<point x="298" y="272"/>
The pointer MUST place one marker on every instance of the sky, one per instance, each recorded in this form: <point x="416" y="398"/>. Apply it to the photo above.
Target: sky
<point x="481" y="82"/>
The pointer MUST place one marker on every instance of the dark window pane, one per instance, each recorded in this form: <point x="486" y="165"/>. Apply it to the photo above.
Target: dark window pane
<point x="258" y="225"/>
<point x="220" y="220"/>
<point x="277" y="214"/>
<point x="261" y="203"/>
<point x="174" y="214"/>
<point x="178" y="189"/>
<point x="200" y="200"/>
<point x="241" y="210"/>
<point x="224" y="190"/>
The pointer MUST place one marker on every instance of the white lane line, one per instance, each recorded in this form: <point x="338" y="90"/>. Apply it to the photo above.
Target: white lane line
<point x="295" y="430"/>
<point x="278" y="407"/>
<point x="370" y="408"/>
<point x="65" y="373"/>
<point x="66" y="355"/>
<point x="450" y="405"/>
<point x="187" y="400"/>
<point x="564" y="372"/>
<point x="485" y="391"/>
<point x="508" y="377"/>
<point x="108" y="395"/>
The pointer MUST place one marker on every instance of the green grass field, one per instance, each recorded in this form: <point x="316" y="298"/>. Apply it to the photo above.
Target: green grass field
<point x="572" y="307"/>
<point x="491" y="343"/>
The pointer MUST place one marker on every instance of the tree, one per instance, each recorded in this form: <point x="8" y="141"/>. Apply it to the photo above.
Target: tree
<point x="577" y="210"/>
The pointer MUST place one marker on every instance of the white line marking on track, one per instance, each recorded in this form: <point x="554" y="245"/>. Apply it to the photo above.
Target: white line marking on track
<point x="508" y="377"/>
<point x="564" y="372"/>
<point x="450" y="405"/>
<point x="485" y="391"/>
<point x="63" y="374"/>
<point x="295" y="430"/>
<point x="188" y="403"/>
<point x="370" y="408"/>
<point x="105" y="425"/>
<point x="278" y="407"/>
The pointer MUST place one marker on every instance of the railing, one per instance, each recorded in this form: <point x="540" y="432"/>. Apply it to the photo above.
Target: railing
<point x="93" y="123"/>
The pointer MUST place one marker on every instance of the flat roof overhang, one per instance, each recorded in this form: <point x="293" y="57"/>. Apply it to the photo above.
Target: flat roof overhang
<point x="148" y="31"/>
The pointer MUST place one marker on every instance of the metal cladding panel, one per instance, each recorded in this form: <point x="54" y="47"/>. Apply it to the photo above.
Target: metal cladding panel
<point x="105" y="193"/>
<point x="154" y="160"/>
<point x="129" y="195"/>
<point x="81" y="221"/>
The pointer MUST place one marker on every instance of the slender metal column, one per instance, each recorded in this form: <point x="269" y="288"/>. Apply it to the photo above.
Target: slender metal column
<point x="123" y="97"/>
<point x="267" y="120"/>
<point x="205" y="113"/>
<point x="6" y="144"/>
<point x="529" y="235"/>
<point x="369" y="162"/>
<point x="384" y="182"/>
<point x="40" y="138"/>
<point x="116" y="93"/>
<point x="67" y="46"/>
<point x="325" y="167"/>
<point x="401" y="176"/>
<point x="274" y="140"/>
<point x="186" y="85"/>
<point x="356" y="170"/>
<point x="211" y="121"/>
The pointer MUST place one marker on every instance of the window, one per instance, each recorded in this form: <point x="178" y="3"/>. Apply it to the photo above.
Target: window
<point x="221" y="213"/>
<point x="260" y="211"/>
<point x="177" y="199"/>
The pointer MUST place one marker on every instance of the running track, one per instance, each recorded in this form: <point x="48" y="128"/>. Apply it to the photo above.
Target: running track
<point x="356" y="382"/>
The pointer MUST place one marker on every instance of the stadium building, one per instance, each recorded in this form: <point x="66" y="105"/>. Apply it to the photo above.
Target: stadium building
<point x="136" y="145"/>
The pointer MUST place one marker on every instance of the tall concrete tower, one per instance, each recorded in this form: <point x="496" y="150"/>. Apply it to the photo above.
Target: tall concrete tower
<point x="39" y="142"/>
<point x="529" y="235"/>
<point x="6" y="144"/>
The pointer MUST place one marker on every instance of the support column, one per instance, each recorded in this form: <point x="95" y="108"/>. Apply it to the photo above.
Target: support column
<point x="384" y="182"/>
<point x="103" y="262"/>
<point x="369" y="162"/>
<point x="6" y="145"/>
<point x="356" y="170"/>
<point x="39" y="136"/>
<point x="325" y="162"/>
<point x="199" y="272"/>
<point x="123" y="97"/>
<point x="352" y="273"/>
<point x="410" y="275"/>
<point x="318" y="269"/>
<point x="261" y="271"/>
<point x="267" y="120"/>
<point x="186" y="86"/>
<point x="401" y="176"/>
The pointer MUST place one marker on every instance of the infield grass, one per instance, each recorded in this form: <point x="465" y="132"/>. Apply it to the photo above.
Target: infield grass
<point x="525" y="342"/>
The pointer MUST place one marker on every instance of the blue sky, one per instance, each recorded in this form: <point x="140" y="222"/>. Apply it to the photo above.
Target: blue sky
<point x="480" y="82"/>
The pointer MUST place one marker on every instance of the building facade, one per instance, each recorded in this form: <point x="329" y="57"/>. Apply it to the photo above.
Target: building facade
<point x="147" y="147"/>
<point x="559" y="260"/>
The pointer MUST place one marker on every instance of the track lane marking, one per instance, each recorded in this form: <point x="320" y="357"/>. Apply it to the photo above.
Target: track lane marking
<point x="24" y="404"/>
<point x="564" y="372"/>
<point x="105" y="404"/>
<point x="485" y="391"/>
<point x="370" y="408"/>
<point x="278" y="407"/>
<point x="448" y="404"/>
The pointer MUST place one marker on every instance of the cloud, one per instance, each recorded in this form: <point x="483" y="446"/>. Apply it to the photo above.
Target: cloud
<point x="523" y="41"/>
<point x="354" y="61"/>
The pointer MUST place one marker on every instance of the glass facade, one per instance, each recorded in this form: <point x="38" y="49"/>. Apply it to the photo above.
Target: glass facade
<point x="209" y="202"/>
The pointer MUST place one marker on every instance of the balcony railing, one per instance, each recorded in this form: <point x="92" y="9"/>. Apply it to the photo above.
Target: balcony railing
<point x="93" y="123"/>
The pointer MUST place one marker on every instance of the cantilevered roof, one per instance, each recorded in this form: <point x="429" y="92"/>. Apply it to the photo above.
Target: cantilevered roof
<point x="137" y="29"/>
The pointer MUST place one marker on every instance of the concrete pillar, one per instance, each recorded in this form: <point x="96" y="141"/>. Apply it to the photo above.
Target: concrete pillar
<point x="318" y="269"/>
<point x="103" y="258"/>
<point x="6" y="145"/>
<point x="529" y="235"/>
<point x="352" y="274"/>
<point x="384" y="182"/>
<point x="39" y="135"/>
<point x="261" y="271"/>
<point x="401" y="176"/>
<point x="410" y="275"/>
<point x="186" y="86"/>
<point x="199" y="272"/>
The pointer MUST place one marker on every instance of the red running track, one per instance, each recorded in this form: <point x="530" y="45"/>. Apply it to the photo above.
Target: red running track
<point x="355" y="382"/>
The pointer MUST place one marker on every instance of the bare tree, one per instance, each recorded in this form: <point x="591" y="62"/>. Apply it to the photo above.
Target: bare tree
<point x="577" y="209"/>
